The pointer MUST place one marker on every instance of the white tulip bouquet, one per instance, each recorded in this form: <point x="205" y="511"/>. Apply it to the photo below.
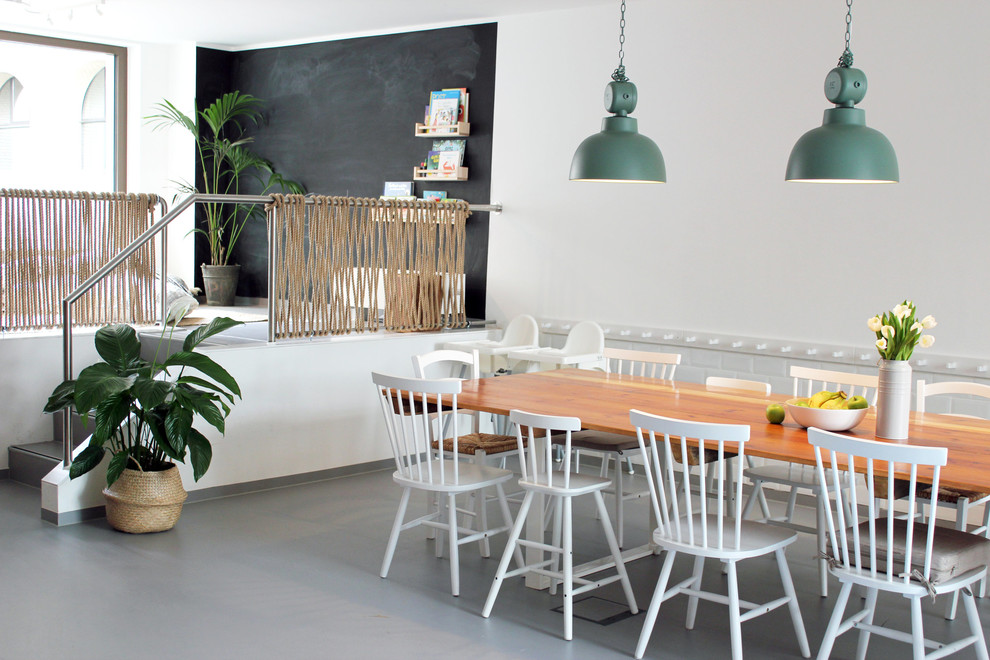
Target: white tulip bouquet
<point x="898" y="331"/>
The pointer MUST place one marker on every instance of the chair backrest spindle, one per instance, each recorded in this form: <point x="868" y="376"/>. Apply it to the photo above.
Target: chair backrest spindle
<point x="533" y="467"/>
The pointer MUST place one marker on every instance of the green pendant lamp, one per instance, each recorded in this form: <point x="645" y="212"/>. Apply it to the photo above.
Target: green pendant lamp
<point x="843" y="149"/>
<point x="619" y="153"/>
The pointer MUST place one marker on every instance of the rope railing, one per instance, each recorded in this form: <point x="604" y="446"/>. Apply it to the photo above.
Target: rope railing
<point x="336" y="261"/>
<point x="51" y="241"/>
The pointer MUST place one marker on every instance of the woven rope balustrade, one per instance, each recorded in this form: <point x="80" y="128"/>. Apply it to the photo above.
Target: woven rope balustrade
<point x="51" y="242"/>
<point x="335" y="257"/>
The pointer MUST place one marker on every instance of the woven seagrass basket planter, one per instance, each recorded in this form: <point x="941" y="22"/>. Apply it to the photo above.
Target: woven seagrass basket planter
<point x="140" y="502"/>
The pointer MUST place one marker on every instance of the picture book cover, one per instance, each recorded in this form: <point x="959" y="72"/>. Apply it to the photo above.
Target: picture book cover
<point x="449" y="161"/>
<point x="462" y="109"/>
<point x="398" y="189"/>
<point x="451" y="145"/>
<point x="432" y="160"/>
<point x="434" y="195"/>
<point x="444" y="106"/>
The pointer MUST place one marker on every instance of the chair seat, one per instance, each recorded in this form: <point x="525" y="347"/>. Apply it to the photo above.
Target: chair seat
<point x="599" y="441"/>
<point x="756" y="538"/>
<point x="579" y="484"/>
<point x="470" y="476"/>
<point x="953" y="495"/>
<point x="791" y="475"/>
<point x="954" y="552"/>
<point x="471" y="443"/>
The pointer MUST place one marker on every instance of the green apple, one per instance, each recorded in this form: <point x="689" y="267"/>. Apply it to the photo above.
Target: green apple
<point x="857" y="402"/>
<point x="775" y="413"/>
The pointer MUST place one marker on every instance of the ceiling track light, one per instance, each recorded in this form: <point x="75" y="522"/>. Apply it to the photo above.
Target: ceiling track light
<point x="843" y="149"/>
<point x="619" y="153"/>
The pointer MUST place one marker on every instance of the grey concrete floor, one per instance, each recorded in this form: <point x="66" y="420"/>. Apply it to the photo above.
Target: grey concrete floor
<point x="293" y="573"/>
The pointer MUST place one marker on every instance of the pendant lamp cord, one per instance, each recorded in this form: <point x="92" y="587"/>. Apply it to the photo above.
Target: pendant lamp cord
<point x="846" y="59"/>
<point x="619" y="75"/>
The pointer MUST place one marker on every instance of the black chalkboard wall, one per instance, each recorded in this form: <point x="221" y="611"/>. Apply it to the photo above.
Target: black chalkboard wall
<point x="339" y="118"/>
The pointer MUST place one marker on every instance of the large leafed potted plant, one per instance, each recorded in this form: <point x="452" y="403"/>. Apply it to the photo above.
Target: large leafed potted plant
<point x="143" y="413"/>
<point x="224" y="159"/>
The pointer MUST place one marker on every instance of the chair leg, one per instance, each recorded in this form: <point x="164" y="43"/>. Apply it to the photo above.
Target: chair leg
<point x="917" y="630"/>
<point x="793" y="606"/>
<point x="613" y="546"/>
<point x="555" y="541"/>
<point x="692" y="608"/>
<point x="393" y="538"/>
<point x="825" y="650"/>
<point x="864" y="635"/>
<point x="654" y="608"/>
<point x="455" y="564"/>
<point x="503" y="503"/>
<point x="756" y="493"/>
<point x="962" y="522"/>
<point x="820" y="525"/>
<point x="481" y="518"/>
<point x="568" y="555"/>
<point x="735" y="622"/>
<point x="764" y="507"/>
<point x="629" y="465"/>
<point x="619" y="490"/>
<point x="973" y="618"/>
<point x="431" y="506"/>
<point x="510" y="547"/>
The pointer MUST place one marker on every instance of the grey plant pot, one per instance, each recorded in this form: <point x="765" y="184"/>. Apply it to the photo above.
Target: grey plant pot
<point x="220" y="283"/>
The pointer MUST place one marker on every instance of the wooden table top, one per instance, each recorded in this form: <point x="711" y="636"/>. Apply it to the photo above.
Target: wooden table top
<point x="602" y="402"/>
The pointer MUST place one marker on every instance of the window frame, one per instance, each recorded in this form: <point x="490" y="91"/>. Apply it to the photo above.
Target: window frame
<point x="119" y="122"/>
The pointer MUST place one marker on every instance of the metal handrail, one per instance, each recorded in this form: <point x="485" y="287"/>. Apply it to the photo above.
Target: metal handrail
<point x="151" y="232"/>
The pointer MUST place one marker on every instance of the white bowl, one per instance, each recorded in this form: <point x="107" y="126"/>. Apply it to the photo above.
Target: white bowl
<point x="824" y="418"/>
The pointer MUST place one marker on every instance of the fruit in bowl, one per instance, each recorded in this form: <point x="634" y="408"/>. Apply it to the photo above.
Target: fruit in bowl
<point x="831" y="411"/>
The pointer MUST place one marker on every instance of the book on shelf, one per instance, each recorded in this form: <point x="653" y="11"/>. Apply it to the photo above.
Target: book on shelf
<point x="444" y="106"/>
<point x="451" y="145"/>
<point x="462" y="104"/>
<point x="432" y="160"/>
<point x="398" y="189"/>
<point x="434" y="195"/>
<point x="449" y="161"/>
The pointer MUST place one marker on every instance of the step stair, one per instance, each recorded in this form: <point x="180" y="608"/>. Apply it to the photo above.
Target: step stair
<point x="30" y="462"/>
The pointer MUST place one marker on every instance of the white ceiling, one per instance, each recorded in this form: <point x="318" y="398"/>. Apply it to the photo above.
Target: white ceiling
<point x="235" y="24"/>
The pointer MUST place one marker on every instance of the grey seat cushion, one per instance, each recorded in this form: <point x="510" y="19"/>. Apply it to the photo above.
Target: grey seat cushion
<point x="953" y="553"/>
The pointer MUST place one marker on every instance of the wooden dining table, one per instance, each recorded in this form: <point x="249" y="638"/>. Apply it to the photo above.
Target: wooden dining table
<point x="602" y="402"/>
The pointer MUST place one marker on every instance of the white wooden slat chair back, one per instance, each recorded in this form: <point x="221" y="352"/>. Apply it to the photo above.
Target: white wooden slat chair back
<point x="406" y="404"/>
<point x="447" y="363"/>
<point x="681" y="496"/>
<point x="898" y="553"/>
<point x="757" y="386"/>
<point x="533" y="433"/>
<point x="642" y="363"/>
<point x="925" y="390"/>
<point x="808" y="380"/>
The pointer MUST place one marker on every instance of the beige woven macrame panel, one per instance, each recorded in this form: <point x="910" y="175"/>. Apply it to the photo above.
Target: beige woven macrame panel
<point x="338" y="260"/>
<point x="51" y="242"/>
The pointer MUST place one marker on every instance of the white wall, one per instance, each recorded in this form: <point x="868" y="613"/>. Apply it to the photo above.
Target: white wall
<point x="725" y="89"/>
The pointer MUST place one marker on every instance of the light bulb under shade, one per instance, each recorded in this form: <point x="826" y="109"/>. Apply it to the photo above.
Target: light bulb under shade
<point x="843" y="150"/>
<point x="618" y="154"/>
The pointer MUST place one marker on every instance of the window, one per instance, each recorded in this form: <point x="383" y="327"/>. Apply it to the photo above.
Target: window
<point x="94" y="123"/>
<point x="13" y="119"/>
<point x="62" y="119"/>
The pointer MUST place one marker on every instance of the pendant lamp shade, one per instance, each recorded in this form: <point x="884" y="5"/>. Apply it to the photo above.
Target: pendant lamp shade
<point x="618" y="153"/>
<point x="843" y="150"/>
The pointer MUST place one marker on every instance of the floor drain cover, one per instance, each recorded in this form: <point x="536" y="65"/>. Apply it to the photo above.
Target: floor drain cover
<point x="599" y="610"/>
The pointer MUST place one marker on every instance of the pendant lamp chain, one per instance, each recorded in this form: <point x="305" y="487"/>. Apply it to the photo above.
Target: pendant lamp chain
<point x="846" y="59"/>
<point x="619" y="75"/>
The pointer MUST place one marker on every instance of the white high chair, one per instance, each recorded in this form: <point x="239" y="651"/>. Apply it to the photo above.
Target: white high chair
<point x="521" y="333"/>
<point x="584" y="349"/>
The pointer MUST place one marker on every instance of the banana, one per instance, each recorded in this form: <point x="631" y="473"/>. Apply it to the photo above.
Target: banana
<point x="819" y="399"/>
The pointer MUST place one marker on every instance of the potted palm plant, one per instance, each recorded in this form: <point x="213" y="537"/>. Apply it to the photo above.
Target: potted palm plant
<point x="224" y="158"/>
<point x="143" y="413"/>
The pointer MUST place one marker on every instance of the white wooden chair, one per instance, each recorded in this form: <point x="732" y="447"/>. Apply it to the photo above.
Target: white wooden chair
<point x="716" y="532"/>
<point x="797" y="478"/>
<point x="583" y="349"/>
<point x="521" y="334"/>
<point x="613" y="445"/>
<point x="473" y="445"/>
<point x="564" y="486"/>
<point x="409" y="406"/>
<point x="925" y="560"/>
<point x="963" y="501"/>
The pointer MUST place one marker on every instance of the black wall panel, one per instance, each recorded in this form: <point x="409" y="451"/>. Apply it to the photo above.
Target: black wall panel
<point x="339" y="118"/>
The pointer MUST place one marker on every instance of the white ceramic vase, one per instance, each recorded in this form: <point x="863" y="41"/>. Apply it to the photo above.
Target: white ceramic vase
<point x="894" y="399"/>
